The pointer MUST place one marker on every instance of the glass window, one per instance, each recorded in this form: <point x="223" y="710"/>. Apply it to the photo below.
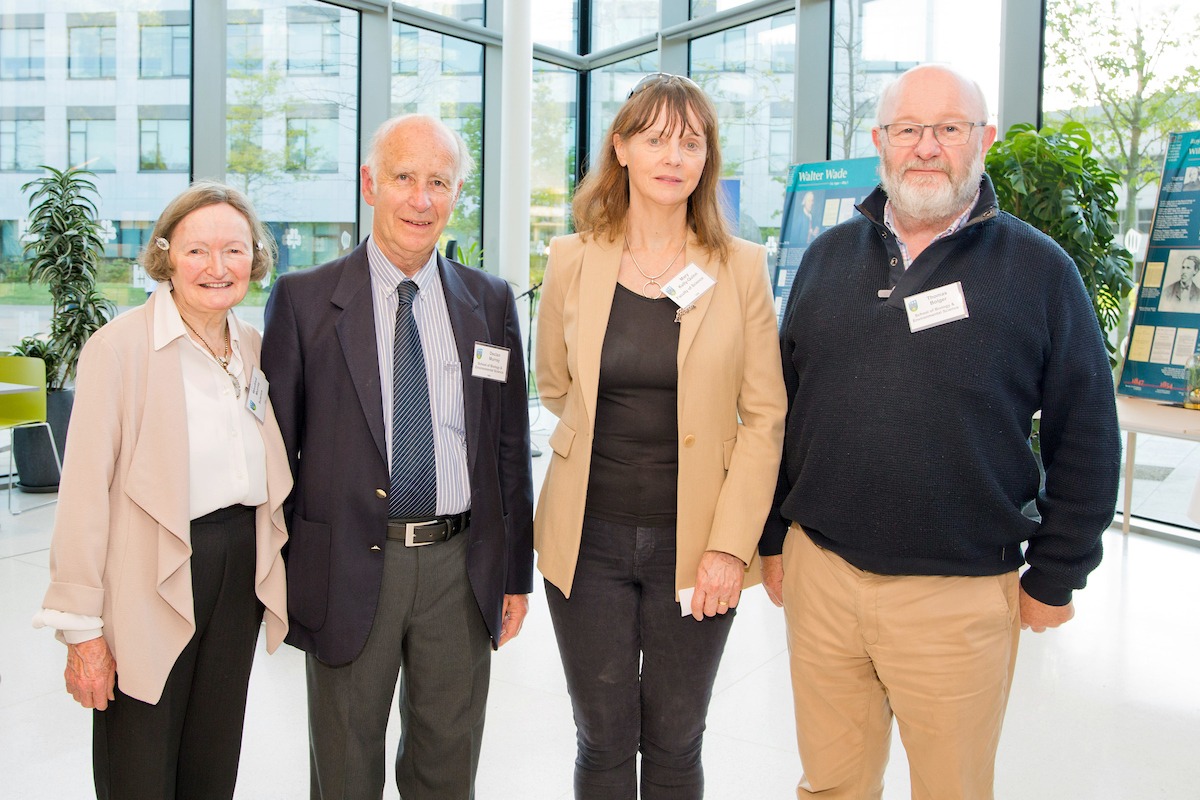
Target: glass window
<point x="724" y="51"/>
<point x="617" y="21"/>
<point x="21" y="144"/>
<point x="292" y="125"/>
<point x="753" y="93"/>
<point x="471" y="11"/>
<point x="313" y="47"/>
<point x="93" y="52"/>
<point x="22" y="52"/>
<point x="93" y="143"/>
<point x="244" y="47"/>
<point x="557" y="25"/>
<point x="312" y="144"/>
<point x="609" y="87"/>
<point x="704" y="8"/>
<point x="166" y="51"/>
<point x="552" y="159"/>
<point x="163" y="145"/>
<point x="93" y="107"/>
<point x="443" y="76"/>
<point x="874" y="41"/>
<point x="1093" y="53"/>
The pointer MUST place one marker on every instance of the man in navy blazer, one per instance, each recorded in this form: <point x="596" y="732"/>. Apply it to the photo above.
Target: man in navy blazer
<point x="370" y="594"/>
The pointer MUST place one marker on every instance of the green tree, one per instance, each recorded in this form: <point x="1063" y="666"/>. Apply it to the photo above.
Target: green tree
<point x="1131" y="76"/>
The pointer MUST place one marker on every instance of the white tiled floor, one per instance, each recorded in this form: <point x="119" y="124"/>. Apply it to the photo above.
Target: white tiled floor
<point x="1107" y="707"/>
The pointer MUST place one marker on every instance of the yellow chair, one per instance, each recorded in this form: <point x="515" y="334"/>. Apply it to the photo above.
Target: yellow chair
<point x="24" y="408"/>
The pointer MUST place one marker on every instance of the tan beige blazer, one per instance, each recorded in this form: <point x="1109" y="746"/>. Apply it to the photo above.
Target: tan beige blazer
<point x="121" y="549"/>
<point x="731" y="402"/>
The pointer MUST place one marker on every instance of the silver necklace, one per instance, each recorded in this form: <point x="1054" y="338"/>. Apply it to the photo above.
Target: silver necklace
<point x="652" y="280"/>
<point x="223" y="362"/>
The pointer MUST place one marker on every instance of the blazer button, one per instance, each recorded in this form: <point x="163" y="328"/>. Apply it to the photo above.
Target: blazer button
<point x="689" y="440"/>
<point x="380" y="493"/>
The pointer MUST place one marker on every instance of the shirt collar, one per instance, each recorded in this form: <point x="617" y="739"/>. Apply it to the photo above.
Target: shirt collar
<point x="388" y="276"/>
<point x="889" y="219"/>
<point x="168" y="324"/>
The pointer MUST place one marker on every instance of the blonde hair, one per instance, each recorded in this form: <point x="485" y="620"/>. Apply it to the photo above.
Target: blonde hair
<point x="201" y="194"/>
<point x="601" y="202"/>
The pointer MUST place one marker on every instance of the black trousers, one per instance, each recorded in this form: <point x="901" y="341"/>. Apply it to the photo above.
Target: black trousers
<point x="640" y="676"/>
<point x="186" y="747"/>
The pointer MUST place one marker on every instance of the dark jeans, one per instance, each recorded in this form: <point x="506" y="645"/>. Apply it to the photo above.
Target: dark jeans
<point x="640" y="676"/>
<point x="187" y="746"/>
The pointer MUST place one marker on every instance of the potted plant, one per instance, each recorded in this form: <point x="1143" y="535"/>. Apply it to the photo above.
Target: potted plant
<point x="64" y="253"/>
<point x="1050" y="179"/>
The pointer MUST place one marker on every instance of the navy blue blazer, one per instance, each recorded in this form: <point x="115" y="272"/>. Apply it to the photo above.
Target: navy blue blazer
<point x="320" y="358"/>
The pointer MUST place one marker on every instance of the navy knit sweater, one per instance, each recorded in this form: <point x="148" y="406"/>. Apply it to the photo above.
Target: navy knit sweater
<point x="908" y="453"/>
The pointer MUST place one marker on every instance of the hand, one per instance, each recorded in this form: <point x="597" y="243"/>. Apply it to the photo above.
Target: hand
<point x="718" y="584"/>
<point x="91" y="673"/>
<point x="772" y="575"/>
<point x="1039" y="616"/>
<point x="516" y="606"/>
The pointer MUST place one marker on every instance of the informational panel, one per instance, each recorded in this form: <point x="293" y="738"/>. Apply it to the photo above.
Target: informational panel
<point x="819" y="195"/>
<point x="1166" y="320"/>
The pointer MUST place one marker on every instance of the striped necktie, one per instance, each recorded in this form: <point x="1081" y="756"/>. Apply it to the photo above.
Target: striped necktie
<point x="414" y="470"/>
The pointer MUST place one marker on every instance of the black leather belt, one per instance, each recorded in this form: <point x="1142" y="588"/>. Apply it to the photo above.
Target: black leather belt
<point x="420" y="532"/>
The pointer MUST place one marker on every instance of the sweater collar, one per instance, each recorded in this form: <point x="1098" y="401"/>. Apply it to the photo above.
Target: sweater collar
<point x="872" y="207"/>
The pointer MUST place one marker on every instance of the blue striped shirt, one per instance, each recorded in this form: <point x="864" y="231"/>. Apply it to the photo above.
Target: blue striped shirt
<point x="442" y="370"/>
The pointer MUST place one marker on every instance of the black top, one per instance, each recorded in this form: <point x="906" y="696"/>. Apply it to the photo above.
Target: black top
<point x="635" y="455"/>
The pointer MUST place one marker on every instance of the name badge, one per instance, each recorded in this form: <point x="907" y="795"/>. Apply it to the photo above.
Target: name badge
<point x="256" y="395"/>
<point x="490" y="362"/>
<point x="936" y="307"/>
<point x="688" y="286"/>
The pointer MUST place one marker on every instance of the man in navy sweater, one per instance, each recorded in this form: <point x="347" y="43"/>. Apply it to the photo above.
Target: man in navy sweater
<point x="919" y="340"/>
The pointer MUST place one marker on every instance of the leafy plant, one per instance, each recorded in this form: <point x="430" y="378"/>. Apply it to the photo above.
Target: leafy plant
<point x="64" y="250"/>
<point x="1050" y="179"/>
<point x="39" y="347"/>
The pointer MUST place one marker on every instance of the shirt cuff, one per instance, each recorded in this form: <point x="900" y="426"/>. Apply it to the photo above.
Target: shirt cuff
<point x="76" y="628"/>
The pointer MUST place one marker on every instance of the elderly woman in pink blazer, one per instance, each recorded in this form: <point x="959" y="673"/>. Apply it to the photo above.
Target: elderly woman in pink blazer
<point x="166" y="550"/>
<point x="658" y="351"/>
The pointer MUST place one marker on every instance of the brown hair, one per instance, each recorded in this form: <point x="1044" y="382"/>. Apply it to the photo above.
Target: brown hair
<point x="200" y="194"/>
<point x="602" y="200"/>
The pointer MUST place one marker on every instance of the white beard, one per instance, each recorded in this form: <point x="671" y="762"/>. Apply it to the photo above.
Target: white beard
<point x="930" y="198"/>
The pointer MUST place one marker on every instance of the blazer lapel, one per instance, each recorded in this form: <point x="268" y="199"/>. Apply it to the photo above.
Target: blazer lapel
<point x="469" y="325"/>
<point x="158" y="479"/>
<point x="356" y="333"/>
<point x="689" y="321"/>
<point x="597" y="284"/>
<point x="158" y="472"/>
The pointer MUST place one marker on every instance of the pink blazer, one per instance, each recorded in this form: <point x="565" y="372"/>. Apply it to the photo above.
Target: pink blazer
<point x="121" y="548"/>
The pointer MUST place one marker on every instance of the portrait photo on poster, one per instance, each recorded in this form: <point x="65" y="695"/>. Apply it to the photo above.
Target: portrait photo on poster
<point x="1181" y="282"/>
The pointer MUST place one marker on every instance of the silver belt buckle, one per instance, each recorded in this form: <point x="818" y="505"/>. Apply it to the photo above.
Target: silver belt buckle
<point x="410" y="528"/>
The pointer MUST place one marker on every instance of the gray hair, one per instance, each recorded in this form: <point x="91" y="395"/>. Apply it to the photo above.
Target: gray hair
<point x="970" y="85"/>
<point x="464" y="164"/>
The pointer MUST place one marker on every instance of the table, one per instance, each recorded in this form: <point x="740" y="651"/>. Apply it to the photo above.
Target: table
<point x="1139" y="415"/>
<point x="16" y="388"/>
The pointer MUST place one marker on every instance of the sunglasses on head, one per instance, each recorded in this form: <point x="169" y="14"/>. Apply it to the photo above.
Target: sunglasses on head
<point x="660" y="77"/>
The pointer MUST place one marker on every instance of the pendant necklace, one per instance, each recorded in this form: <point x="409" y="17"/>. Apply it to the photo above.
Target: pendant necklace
<point x="222" y="362"/>
<point x="652" y="280"/>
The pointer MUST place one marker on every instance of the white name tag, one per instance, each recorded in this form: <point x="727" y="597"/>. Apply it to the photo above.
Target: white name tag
<point x="685" y="601"/>
<point x="936" y="307"/>
<point x="256" y="395"/>
<point x="688" y="286"/>
<point x="490" y="362"/>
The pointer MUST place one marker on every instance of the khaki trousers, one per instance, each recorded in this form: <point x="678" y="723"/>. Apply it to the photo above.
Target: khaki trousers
<point x="936" y="651"/>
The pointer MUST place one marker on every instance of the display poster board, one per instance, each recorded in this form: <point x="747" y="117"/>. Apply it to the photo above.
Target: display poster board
<point x="819" y="195"/>
<point x="1166" y="319"/>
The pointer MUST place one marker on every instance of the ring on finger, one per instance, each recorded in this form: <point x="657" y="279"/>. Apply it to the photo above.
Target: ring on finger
<point x="722" y="602"/>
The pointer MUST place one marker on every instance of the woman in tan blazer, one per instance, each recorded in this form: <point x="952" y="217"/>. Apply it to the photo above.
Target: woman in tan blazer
<point x="671" y="408"/>
<point x="166" y="550"/>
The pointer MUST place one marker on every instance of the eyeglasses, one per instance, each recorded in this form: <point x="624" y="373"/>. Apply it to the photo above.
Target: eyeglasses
<point x="906" y="134"/>
<point x="663" y="77"/>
